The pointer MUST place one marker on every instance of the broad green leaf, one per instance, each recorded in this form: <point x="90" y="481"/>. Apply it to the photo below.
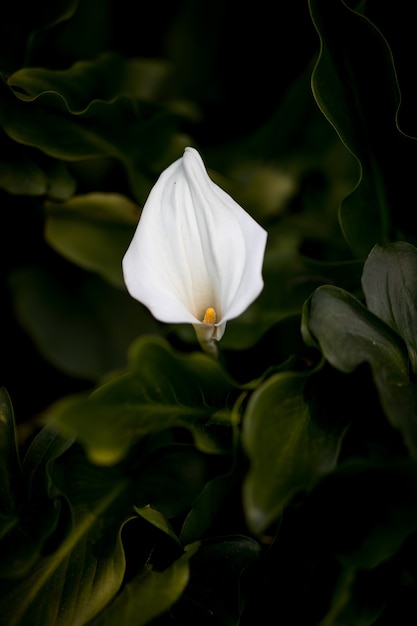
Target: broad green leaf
<point x="149" y="594"/>
<point x="287" y="449"/>
<point x="348" y="334"/>
<point x="104" y="78"/>
<point x="142" y="137"/>
<point x="84" y="329"/>
<point x="161" y="389"/>
<point x="84" y="567"/>
<point x="355" y="85"/>
<point x="72" y="583"/>
<point x="38" y="505"/>
<point x="389" y="282"/>
<point x="93" y="231"/>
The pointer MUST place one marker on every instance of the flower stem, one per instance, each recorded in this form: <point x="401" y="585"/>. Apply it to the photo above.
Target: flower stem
<point x="210" y="347"/>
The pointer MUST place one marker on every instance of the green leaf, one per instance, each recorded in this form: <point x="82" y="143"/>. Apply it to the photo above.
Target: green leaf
<point x="38" y="505"/>
<point x="355" y="85"/>
<point x="93" y="231"/>
<point x="142" y="137"/>
<point x="287" y="448"/>
<point x="103" y="78"/>
<point x="150" y="594"/>
<point x="158" y="520"/>
<point x="74" y="581"/>
<point x="348" y="335"/>
<point x="389" y="282"/>
<point x="83" y="330"/>
<point x="161" y="389"/>
<point x="207" y="506"/>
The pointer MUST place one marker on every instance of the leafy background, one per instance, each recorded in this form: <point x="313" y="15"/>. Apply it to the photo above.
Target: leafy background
<point x="141" y="481"/>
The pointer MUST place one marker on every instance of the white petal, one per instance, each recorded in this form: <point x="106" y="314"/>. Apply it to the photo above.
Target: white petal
<point x="194" y="248"/>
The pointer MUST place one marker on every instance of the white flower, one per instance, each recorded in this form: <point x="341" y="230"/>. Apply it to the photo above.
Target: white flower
<point x="196" y="256"/>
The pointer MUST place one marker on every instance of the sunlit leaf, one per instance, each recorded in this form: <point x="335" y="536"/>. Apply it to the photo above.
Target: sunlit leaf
<point x="93" y="231"/>
<point x="161" y="389"/>
<point x="149" y="594"/>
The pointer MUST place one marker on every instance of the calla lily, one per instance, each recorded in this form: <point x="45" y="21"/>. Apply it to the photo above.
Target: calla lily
<point x="196" y="256"/>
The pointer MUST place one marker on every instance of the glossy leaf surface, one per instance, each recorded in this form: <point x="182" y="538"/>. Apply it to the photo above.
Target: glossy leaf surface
<point x="287" y="448"/>
<point x="160" y="390"/>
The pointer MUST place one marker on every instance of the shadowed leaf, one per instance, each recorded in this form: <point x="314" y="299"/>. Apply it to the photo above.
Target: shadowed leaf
<point x="349" y="335"/>
<point x="389" y="282"/>
<point x="287" y="448"/>
<point x="355" y="85"/>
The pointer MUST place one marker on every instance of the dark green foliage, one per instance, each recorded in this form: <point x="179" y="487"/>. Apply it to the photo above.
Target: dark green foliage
<point x="141" y="481"/>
